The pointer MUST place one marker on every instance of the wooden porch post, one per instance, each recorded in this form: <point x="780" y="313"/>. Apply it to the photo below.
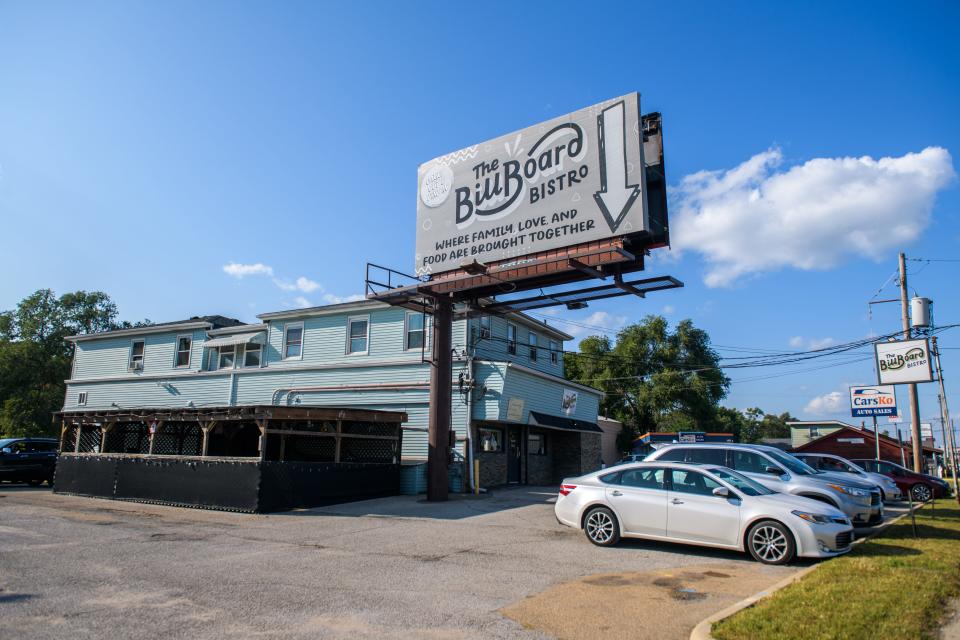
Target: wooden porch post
<point x="206" y="428"/>
<point x="104" y="430"/>
<point x="153" y="436"/>
<point x="76" y="444"/>
<point x="63" y="432"/>
<point x="262" y="425"/>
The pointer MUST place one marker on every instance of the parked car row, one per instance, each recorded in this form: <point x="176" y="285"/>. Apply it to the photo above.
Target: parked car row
<point x="753" y="498"/>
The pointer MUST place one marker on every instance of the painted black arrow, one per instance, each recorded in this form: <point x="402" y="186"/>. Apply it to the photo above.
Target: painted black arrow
<point x="615" y="196"/>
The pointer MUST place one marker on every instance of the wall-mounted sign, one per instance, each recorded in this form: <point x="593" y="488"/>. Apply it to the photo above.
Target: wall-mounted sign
<point x="903" y="362"/>
<point x="569" y="402"/>
<point x="690" y="436"/>
<point x="515" y="409"/>
<point x="851" y="440"/>
<point x="873" y="401"/>
<point x="574" y="179"/>
<point x="894" y="419"/>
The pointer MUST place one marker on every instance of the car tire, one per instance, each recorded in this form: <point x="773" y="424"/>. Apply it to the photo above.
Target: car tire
<point x="601" y="527"/>
<point x="921" y="492"/>
<point x="770" y="542"/>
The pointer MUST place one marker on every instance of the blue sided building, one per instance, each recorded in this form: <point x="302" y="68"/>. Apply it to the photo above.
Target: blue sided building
<point x="212" y="387"/>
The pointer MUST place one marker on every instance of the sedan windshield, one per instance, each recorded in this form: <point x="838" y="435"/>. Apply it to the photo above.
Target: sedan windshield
<point x="741" y="483"/>
<point x="791" y="463"/>
<point x="6" y="442"/>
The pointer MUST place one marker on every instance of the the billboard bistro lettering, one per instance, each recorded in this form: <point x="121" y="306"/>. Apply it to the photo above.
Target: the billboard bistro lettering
<point x="903" y="361"/>
<point x="873" y="401"/>
<point x="573" y="179"/>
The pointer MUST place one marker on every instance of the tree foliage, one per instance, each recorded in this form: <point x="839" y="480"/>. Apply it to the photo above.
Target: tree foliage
<point x="655" y="378"/>
<point x="35" y="357"/>
<point x="658" y="379"/>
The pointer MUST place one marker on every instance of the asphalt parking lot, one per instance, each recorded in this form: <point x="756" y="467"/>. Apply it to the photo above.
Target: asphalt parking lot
<point x="75" y="567"/>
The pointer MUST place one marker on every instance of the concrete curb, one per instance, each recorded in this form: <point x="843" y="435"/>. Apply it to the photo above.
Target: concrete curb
<point x="703" y="629"/>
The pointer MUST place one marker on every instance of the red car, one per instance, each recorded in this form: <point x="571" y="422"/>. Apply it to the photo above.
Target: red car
<point x="921" y="486"/>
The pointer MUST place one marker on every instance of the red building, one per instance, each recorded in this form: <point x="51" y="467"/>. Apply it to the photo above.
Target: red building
<point x="854" y="442"/>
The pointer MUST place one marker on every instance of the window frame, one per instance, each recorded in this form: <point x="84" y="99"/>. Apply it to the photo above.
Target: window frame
<point x="286" y="329"/>
<point x="233" y="355"/>
<point x="485" y="328"/>
<point x="82" y="398"/>
<point x="706" y="479"/>
<point x="554" y="351"/>
<point x="143" y="355"/>
<point x="259" y="351"/>
<point x="406" y="332"/>
<point x="500" y="439"/>
<point x="177" y="352"/>
<point x="366" y="339"/>
<point x="533" y="341"/>
<point x="512" y="342"/>
<point x="542" y="450"/>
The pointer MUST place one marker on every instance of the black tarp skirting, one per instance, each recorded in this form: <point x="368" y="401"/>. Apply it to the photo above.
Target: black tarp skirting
<point x="236" y="485"/>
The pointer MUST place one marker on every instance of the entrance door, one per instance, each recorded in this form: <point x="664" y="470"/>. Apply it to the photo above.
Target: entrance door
<point x="514" y="451"/>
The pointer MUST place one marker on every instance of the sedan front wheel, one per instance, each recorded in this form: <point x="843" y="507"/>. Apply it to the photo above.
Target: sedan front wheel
<point x="770" y="542"/>
<point x="921" y="492"/>
<point x="601" y="527"/>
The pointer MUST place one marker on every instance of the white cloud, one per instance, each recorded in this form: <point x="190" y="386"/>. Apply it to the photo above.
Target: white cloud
<point x="799" y="342"/>
<point x="827" y="404"/>
<point x="668" y="309"/>
<point x="330" y="298"/>
<point x="301" y="302"/>
<point x="598" y="322"/>
<point x="757" y="218"/>
<point x="303" y="284"/>
<point x="238" y="270"/>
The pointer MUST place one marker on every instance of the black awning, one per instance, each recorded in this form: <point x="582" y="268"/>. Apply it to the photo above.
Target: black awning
<point x="564" y="424"/>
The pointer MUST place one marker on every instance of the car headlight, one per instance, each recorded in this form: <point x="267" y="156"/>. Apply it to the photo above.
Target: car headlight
<point x="850" y="491"/>
<point x="815" y="518"/>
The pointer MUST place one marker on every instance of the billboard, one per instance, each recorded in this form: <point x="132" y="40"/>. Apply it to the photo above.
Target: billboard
<point x="904" y="361"/>
<point x="574" y="179"/>
<point x="873" y="401"/>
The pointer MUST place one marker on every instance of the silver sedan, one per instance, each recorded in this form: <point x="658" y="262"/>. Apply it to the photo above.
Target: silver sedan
<point x="702" y="505"/>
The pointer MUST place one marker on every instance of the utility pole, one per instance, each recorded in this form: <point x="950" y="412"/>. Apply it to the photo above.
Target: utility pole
<point x="876" y="437"/>
<point x="441" y="398"/>
<point x="945" y="419"/>
<point x="912" y="387"/>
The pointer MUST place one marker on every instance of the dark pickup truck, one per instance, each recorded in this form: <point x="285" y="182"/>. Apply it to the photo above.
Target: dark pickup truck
<point x="30" y="460"/>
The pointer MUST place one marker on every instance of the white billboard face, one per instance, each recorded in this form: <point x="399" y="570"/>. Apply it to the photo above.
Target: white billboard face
<point x="878" y="400"/>
<point x="574" y="179"/>
<point x="903" y="362"/>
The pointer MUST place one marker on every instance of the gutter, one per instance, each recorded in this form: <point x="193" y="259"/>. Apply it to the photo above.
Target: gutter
<point x="375" y="386"/>
<point x="137" y="331"/>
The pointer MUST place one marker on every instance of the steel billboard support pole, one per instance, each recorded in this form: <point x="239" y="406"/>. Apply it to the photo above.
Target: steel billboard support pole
<point x="441" y="397"/>
<point x="912" y="387"/>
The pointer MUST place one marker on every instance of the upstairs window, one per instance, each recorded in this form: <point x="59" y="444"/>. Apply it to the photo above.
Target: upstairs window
<point x="82" y="398"/>
<point x="486" y="327"/>
<point x="136" y="356"/>
<point x="293" y="341"/>
<point x="227" y="357"/>
<point x="554" y="353"/>
<point x="512" y="339"/>
<point x="184" y="343"/>
<point x="252" y="357"/>
<point x="533" y="346"/>
<point x="415" y="334"/>
<point x="358" y="335"/>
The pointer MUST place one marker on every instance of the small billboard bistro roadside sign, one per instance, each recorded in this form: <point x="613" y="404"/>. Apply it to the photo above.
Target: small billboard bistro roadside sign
<point x="877" y="400"/>
<point x="574" y="179"/>
<point x="569" y="401"/>
<point x="903" y="362"/>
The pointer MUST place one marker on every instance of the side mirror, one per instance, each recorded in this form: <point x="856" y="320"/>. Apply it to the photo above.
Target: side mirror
<point x="774" y="471"/>
<point x="7" y="450"/>
<point x="721" y="492"/>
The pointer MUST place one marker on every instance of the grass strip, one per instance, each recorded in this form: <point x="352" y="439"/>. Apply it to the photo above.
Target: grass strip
<point x="893" y="586"/>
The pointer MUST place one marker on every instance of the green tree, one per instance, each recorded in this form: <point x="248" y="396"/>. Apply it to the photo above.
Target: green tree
<point x="35" y="356"/>
<point x="655" y="378"/>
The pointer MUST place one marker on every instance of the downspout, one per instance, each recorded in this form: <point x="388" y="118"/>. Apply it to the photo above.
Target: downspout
<point x="470" y="372"/>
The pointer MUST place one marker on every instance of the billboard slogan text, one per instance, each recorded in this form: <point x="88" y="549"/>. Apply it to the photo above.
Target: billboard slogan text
<point x="574" y="179"/>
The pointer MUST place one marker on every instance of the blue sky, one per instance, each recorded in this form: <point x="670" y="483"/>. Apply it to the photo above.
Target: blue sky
<point x="143" y="146"/>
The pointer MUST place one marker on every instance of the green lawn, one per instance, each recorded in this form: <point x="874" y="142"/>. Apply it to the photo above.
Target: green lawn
<point x="891" y="587"/>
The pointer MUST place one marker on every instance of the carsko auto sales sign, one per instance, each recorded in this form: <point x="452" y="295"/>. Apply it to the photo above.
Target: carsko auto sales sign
<point x="903" y="362"/>
<point x="574" y="179"/>
<point x="877" y="400"/>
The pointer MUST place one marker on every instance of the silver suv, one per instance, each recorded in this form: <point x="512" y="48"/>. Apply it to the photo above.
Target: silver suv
<point x="783" y="473"/>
